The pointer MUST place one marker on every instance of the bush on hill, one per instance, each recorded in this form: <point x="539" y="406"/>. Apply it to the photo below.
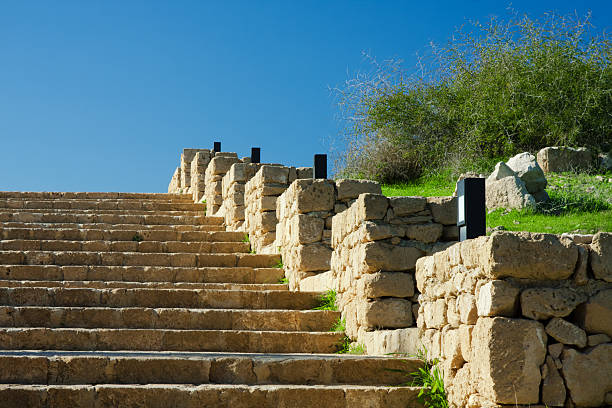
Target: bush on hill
<point x="494" y="90"/>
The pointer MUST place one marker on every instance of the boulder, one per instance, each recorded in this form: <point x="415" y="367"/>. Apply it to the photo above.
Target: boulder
<point x="509" y="192"/>
<point x="595" y="316"/>
<point x="587" y="375"/>
<point x="562" y="158"/>
<point x="350" y="189"/>
<point x="553" y="388"/>
<point x="604" y="160"/>
<point x="601" y="256"/>
<point x="544" y="303"/>
<point x="566" y="332"/>
<point x="501" y="170"/>
<point x="526" y="167"/>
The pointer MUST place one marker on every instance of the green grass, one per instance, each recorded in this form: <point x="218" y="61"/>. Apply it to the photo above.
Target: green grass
<point x="579" y="202"/>
<point x="327" y="301"/>
<point x="345" y="346"/>
<point x="246" y="238"/>
<point x="283" y="280"/>
<point x="339" y="326"/>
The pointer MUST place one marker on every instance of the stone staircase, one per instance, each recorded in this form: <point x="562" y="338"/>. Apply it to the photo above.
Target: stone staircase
<point x="139" y="300"/>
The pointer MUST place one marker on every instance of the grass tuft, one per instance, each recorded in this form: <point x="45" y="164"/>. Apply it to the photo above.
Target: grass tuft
<point x="327" y="301"/>
<point x="339" y="326"/>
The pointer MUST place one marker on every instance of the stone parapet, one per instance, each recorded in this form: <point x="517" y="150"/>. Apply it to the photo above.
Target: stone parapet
<point x="198" y="173"/>
<point x="175" y="182"/>
<point x="213" y="181"/>
<point x="233" y="192"/>
<point x="186" y="159"/>
<point x="520" y="318"/>
<point x="260" y="199"/>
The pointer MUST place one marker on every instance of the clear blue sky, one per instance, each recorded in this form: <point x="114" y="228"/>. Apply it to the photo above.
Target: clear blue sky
<point x="103" y="95"/>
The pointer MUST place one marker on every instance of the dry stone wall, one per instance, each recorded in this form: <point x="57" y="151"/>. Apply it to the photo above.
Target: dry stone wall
<point x="175" y="182"/>
<point x="376" y="243"/>
<point x="213" y="181"/>
<point x="304" y="214"/>
<point x="233" y="189"/>
<point x="261" y="194"/>
<point x="198" y="172"/>
<point x="520" y="319"/>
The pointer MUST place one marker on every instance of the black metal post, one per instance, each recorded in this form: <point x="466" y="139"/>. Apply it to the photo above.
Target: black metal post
<point x="471" y="208"/>
<point x="320" y="166"/>
<point x="255" y="155"/>
<point x="217" y="147"/>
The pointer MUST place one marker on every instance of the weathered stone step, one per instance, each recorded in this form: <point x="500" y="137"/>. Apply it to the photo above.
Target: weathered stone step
<point x="125" y="246"/>
<point x="168" y="318"/>
<point x="60" y="367"/>
<point x="241" y="341"/>
<point x="148" y="205"/>
<point x="199" y="298"/>
<point x="141" y="273"/>
<point x="79" y="234"/>
<point x="144" y="285"/>
<point x="216" y="225"/>
<point x="209" y="396"/>
<point x="80" y="212"/>
<point x="93" y="195"/>
<point x="97" y="218"/>
<point x="136" y="259"/>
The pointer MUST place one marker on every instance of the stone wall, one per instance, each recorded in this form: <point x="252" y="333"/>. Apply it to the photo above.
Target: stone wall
<point x="521" y="319"/>
<point x="198" y="172"/>
<point x="376" y="243"/>
<point x="213" y="181"/>
<point x="261" y="194"/>
<point x="186" y="159"/>
<point x="233" y="189"/>
<point x="175" y="182"/>
<point x="304" y="214"/>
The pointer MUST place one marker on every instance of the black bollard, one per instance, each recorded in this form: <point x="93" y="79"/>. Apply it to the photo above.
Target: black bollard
<point x="320" y="166"/>
<point x="255" y="155"/>
<point x="471" y="208"/>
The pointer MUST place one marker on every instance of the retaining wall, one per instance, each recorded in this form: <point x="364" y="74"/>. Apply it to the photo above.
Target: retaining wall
<point x="520" y="318"/>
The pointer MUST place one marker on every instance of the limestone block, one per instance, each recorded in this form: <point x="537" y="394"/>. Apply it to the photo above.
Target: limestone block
<point x="265" y="221"/>
<point x="443" y="209"/>
<point x="566" y="332"/>
<point x="468" y="312"/>
<point x="597" y="339"/>
<point x="304" y="172"/>
<point x="403" y="206"/>
<point x="313" y="257"/>
<point x="272" y="189"/>
<point x="451" y="348"/>
<point x="349" y="189"/>
<point x="430" y="232"/>
<point x="383" y="284"/>
<point x="497" y="298"/>
<point x="385" y="313"/>
<point x="435" y="314"/>
<point x="450" y="233"/>
<point x="529" y="171"/>
<point x="268" y="174"/>
<point x="371" y="207"/>
<point x="221" y="164"/>
<point x="581" y="276"/>
<point x="384" y="342"/>
<point x="509" y="355"/>
<point x="306" y="229"/>
<point x="465" y="341"/>
<point x="562" y="158"/>
<point x="542" y="256"/>
<point x="266" y="203"/>
<point x="508" y="192"/>
<point x="553" y="387"/>
<point x="595" y="316"/>
<point x="601" y="256"/>
<point x="587" y="375"/>
<point x="379" y="256"/>
<point x="452" y="312"/>
<point x="544" y="303"/>
<point x="375" y="231"/>
<point x="312" y="195"/>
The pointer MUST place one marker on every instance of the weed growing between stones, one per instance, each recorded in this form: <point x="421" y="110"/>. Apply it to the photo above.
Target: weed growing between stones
<point x="328" y="301"/>
<point x="279" y="264"/>
<point x="339" y="326"/>
<point x="345" y="346"/>
<point x="429" y="377"/>
<point x="137" y="238"/>
<point x="283" y="280"/>
<point x="246" y="238"/>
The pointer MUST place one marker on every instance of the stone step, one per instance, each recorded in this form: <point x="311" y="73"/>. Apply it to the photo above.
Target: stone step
<point x="209" y="396"/>
<point x="239" y="341"/>
<point x="144" y="285"/>
<point x="46" y="195"/>
<point x="142" y="274"/>
<point x="96" y="218"/>
<point x="168" y="318"/>
<point x="80" y="211"/>
<point x="199" y="298"/>
<point x="148" y="205"/>
<point x="216" y="225"/>
<point x="125" y="246"/>
<point x="79" y="234"/>
<point x="60" y="367"/>
<point x="64" y="258"/>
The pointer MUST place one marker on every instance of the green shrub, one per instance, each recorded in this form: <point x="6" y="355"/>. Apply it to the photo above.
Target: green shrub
<point x="327" y="301"/>
<point x="494" y="90"/>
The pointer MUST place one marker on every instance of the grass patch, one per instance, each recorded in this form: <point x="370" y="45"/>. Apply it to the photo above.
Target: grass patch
<point x="579" y="202"/>
<point x="279" y="264"/>
<point x="430" y="378"/>
<point x="339" y="326"/>
<point x="327" y="301"/>
<point x="246" y="238"/>
<point x="345" y="346"/>
<point x="283" y="280"/>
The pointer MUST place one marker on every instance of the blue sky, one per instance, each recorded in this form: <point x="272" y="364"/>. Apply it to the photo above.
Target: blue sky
<point x="103" y="95"/>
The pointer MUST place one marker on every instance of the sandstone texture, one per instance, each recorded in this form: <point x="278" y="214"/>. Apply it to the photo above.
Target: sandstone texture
<point x="559" y="159"/>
